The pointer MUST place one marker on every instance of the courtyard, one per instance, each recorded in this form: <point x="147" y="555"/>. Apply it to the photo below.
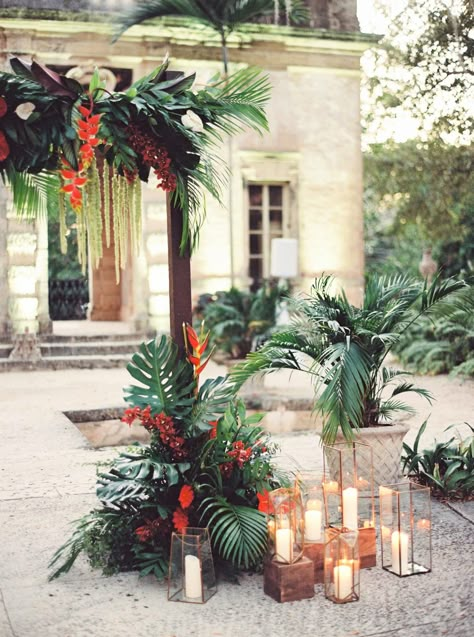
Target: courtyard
<point x="48" y="479"/>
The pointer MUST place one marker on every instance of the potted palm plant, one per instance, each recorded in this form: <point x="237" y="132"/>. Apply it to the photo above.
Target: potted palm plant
<point x="345" y="348"/>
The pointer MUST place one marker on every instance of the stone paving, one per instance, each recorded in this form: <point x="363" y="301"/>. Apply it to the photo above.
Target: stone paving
<point x="47" y="475"/>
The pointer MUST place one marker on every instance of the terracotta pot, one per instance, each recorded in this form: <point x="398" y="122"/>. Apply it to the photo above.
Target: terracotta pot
<point x="387" y="445"/>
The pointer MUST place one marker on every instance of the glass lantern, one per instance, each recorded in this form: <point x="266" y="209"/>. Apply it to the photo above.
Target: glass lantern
<point x="310" y="485"/>
<point x="191" y="569"/>
<point x="405" y="525"/>
<point x="341" y="566"/>
<point x="348" y="486"/>
<point x="286" y="528"/>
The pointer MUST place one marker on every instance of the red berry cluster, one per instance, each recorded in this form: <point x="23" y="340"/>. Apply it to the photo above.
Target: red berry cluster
<point x="160" y="423"/>
<point x="153" y="155"/>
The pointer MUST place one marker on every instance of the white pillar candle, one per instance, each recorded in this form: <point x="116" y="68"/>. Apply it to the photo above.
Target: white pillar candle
<point x="192" y="577"/>
<point x="312" y="525"/>
<point x="349" y="508"/>
<point x="400" y="552"/>
<point x="314" y="505"/>
<point x="284" y="544"/>
<point x="342" y="581"/>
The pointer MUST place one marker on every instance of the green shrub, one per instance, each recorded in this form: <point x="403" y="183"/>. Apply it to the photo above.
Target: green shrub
<point x="447" y="467"/>
<point x="238" y="319"/>
<point x="443" y="345"/>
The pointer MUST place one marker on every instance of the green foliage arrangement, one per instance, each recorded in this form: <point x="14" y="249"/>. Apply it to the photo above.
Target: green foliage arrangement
<point x="344" y="348"/>
<point x="442" y="346"/>
<point x="94" y="147"/>
<point x="207" y="464"/>
<point x="236" y="318"/>
<point x="447" y="467"/>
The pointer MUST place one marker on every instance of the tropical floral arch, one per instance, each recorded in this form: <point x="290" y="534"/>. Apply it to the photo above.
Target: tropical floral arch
<point x="94" y="147"/>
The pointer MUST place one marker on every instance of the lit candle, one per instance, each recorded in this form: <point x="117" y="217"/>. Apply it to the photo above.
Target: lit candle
<point x="312" y="525"/>
<point x="349" y="508"/>
<point x="400" y="552"/>
<point x="284" y="544"/>
<point x="331" y="487"/>
<point x="192" y="577"/>
<point x="424" y="524"/>
<point x="343" y="581"/>
<point x="271" y="529"/>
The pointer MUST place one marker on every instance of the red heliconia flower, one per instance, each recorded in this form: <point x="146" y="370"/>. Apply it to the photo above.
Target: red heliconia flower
<point x="263" y="502"/>
<point x="180" y="520"/>
<point x="4" y="147"/>
<point x="3" y="106"/>
<point x="186" y="496"/>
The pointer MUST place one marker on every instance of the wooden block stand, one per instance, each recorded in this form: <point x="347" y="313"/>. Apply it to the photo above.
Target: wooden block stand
<point x="367" y="547"/>
<point x="289" y="582"/>
<point x="314" y="551"/>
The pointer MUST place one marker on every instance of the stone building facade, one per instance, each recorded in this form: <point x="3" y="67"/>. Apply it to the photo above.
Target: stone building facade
<point x="303" y="180"/>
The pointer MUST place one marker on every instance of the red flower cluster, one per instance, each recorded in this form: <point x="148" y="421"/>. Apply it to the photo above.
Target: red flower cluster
<point x="153" y="528"/>
<point x="153" y="155"/>
<point x="226" y="469"/>
<point x="213" y="431"/>
<point x="186" y="496"/>
<point x="263" y="502"/>
<point x="75" y="180"/>
<point x="4" y="147"/>
<point x="240" y="454"/>
<point x="163" y="424"/>
<point x="180" y="520"/>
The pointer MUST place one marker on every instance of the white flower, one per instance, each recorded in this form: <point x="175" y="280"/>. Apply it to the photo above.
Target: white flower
<point x="24" y="110"/>
<point x="192" y="121"/>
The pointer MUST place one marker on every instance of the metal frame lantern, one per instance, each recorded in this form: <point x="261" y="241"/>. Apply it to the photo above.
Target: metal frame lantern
<point x="405" y="524"/>
<point x="310" y="486"/>
<point x="286" y="527"/>
<point x="341" y="566"/>
<point x="191" y="568"/>
<point x="348" y="486"/>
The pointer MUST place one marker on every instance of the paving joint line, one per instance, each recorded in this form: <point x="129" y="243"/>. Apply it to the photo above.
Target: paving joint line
<point x="2" y="601"/>
<point x="464" y="517"/>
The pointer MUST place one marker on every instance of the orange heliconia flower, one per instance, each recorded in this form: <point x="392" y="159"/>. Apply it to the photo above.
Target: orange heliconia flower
<point x="186" y="496"/>
<point x="196" y="343"/>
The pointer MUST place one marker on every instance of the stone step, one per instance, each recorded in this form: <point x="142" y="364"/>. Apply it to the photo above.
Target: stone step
<point x="86" y="338"/>
<point x="5" y="349"/>
<point x="67" y="362"/>
<point x="87" y="348"/>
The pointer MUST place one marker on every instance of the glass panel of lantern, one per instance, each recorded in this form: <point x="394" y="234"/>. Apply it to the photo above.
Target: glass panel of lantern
<point x="348" y="486"/>
<point x="405" y="524"/>
<point x="341" y="566"/>
<point x="310" y="485"/>
<point x="286" y="527"/>
<point x="191" y="568"/>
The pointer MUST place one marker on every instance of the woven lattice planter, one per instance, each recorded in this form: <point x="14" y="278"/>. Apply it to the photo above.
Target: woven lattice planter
<point x="387" y="445"/>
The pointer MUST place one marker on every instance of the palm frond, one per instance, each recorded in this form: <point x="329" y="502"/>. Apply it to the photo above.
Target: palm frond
<point x="238" y="533"/>
<point x="346" y="373"/>
<point x="389" y="407"/>
<point x="73" y="547"/>
<point x="32" y="192"/>
<point x="213" y="398"/>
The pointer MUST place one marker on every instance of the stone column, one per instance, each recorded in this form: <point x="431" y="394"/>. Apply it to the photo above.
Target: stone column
<point x="4" y="322"/>
<point x="45" y="325"/>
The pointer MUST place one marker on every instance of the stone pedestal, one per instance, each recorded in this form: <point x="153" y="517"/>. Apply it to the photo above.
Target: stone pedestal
<point x="288" y="582"/>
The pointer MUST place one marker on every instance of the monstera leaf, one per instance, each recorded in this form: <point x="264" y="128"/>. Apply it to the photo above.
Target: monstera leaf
<point x="213" y="398"/>
<point x="167" y="382"/>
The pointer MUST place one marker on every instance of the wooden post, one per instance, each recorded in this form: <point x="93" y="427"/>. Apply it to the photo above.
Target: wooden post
<point x="179" y="275"/>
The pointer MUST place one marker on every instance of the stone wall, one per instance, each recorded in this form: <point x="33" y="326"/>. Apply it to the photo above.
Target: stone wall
<point x="313" y="146"/>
